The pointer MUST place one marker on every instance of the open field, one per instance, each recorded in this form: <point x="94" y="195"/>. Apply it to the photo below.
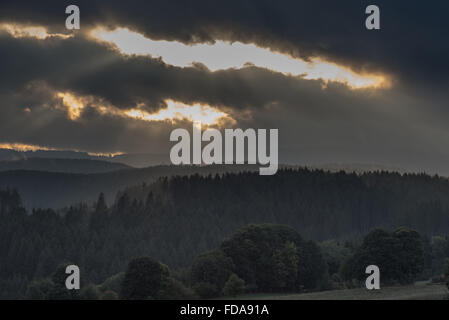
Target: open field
<point x="419" y="291"/>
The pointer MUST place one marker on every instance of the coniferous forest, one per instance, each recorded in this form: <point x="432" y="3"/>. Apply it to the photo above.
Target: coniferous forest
<point x="223" y="150"/>
<point x="220" y="235"/>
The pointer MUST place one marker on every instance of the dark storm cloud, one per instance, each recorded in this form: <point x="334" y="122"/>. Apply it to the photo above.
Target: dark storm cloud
<point x="46" y="124"/>
<point x="412" y="43"/>
<point x="403" y="126"/>
<point x="90" y="68"/>
<point x="332" y="124"/>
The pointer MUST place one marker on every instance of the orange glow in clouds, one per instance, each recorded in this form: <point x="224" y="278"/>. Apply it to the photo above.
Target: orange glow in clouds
<point x="25" y="31"/>
<point x="23" y="147"/>
<point x="175" y="110"/>
<point x="179" y="111"/>
<point x="225" y="55"/>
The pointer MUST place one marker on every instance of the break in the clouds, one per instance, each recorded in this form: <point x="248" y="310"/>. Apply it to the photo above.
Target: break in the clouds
<point x="222" y="55"/>
<point x="411" y="42"/>
<point x="137" y="69"/>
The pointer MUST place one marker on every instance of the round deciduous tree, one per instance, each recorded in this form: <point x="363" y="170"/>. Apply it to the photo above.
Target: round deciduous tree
<point x="213" y="268"/>
<point x="274" y="258"/>
<point x="143" y="279"/>
<point x="399" y="255"/>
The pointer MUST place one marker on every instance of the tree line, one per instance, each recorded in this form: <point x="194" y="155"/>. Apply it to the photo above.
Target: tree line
<point x="175" y="220"/>
<point x="256" y="259"/>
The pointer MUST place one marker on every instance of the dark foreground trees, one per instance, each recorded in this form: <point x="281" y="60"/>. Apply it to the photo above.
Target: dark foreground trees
<point x="146" y="278"/>
<point x="143" y="279"/>
<point x="399" y="256"/>
<point x="174" y="220"/>
<point x="256" y="259"/>
<point x="52" y="288"/>
<point x="267" y="258"/>
<point x="234" y="286"/>
<point x="210" y="272"/>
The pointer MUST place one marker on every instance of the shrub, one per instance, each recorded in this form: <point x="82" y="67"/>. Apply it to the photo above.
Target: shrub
<point x="234" y="286"/>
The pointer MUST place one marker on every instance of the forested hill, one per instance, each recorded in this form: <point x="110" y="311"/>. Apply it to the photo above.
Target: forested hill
<point x="175" y="219"/>
<point x="318" y="204"/>
<point x="42" y="189"/>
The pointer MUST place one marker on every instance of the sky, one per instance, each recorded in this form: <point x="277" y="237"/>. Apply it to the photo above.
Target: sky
<point x="136" y="70"/>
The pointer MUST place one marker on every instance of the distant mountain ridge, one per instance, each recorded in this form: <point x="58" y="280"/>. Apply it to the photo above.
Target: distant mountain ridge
<point x="62" y="165"/>
<point x="137" y="160"/>
<point x="144" y="160"/>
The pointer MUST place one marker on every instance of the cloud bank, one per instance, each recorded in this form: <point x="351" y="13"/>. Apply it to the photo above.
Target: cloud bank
<point x="115" y="95"/>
